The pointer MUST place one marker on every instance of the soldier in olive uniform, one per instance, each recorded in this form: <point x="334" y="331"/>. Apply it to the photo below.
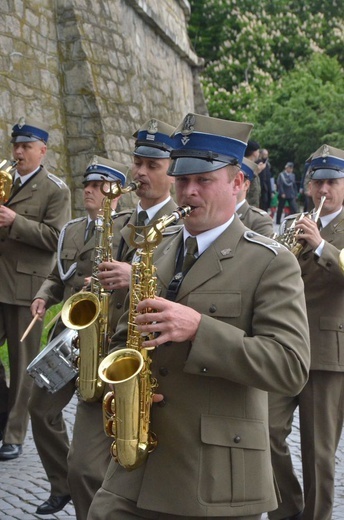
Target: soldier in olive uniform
<point x="76" y="251"/>
<point x="150" y="164"/>
<point x="225" y="336"/>
<point x="30" y="224"/>
<point x="254" y="218"/>
<point x="321" y="403"/>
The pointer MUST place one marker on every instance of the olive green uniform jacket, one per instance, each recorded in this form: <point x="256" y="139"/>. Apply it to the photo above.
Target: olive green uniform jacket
<point x="256" y="219"/>
<point x="27" y="255"/>
<point x="213" y="453"/>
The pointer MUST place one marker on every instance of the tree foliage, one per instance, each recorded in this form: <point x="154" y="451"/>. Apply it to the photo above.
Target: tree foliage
<point x="277" y="64"/>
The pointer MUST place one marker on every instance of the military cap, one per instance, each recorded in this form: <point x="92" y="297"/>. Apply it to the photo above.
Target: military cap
<point x="249" y="169"/>
<point x="204" y="144"/>
<point x="289" y="164"/>
<point x="101" y="169"/>
<point x="153" y="140"/>
<point x="327" y="163"/>
<point x="28" y="130"/>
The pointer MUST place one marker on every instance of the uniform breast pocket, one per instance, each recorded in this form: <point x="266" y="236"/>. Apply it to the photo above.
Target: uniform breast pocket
<point x="234" y="466"/>
<point x="31" y="211"/>
<point x="226" y="304"/>
<point x="68" y="254"/>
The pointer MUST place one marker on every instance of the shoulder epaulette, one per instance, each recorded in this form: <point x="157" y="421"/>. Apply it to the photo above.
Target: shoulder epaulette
<point x="172" y="230"/>
<point x="59" y="182"/>
<point x="73" y="221"/>
<point x="122" y="213"/>
<point x="261" y="240"/>
<point x="258" y="210"/>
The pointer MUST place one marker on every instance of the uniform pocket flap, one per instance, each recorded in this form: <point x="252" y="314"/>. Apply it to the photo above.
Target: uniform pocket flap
<point x="220" y="304"/>
<point x="335" y="323"/>
<point x="68" y="254"/>
<point x="32" y="269"/>
<point x="233" y="432"/>
<point x="31" y="210"/>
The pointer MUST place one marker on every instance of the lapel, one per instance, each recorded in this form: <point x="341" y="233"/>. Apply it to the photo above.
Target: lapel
<point x="27" y="190"/>
<point x="329" y="232"/>
<point x="169" y="207"/>
<point x="207" y="265"/>
<point x="243" y="210"/>
<point x="78" y="236"/>
<point x="337" y="225"/>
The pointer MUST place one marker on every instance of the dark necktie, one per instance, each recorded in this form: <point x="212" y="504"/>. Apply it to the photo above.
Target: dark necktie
<point x="89" y="231"/>
<point x="319" y="224"/>
<point x="15" y="186"/>
<point x="191" y="250"/>
<point x="141" y="218"/>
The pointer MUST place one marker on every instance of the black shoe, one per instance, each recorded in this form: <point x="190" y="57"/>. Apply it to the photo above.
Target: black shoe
<point x="10" y="451"/>
<point x="53" y="505"/>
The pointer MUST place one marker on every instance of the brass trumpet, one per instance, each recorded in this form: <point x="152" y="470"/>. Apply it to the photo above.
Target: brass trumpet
<point x="6" y="180"/>
<point x="292" y="238"/>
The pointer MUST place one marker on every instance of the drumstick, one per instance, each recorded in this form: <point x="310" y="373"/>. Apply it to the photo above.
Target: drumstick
<point x="33" y="321"/>
<point x="51" y="322"/>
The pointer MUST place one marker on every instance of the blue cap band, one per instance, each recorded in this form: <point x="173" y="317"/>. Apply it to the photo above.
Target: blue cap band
<point x="329" y="161"/>
<point x="100" y="172"/>
<point x="248" y="172"/>
<point x="156" y="140"/>
<point x="209" y="147"/>
<point x="30" y="132"/>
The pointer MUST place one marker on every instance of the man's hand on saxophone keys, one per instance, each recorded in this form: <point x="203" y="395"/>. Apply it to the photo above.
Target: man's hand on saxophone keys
<point x="114" y="275"/>
<point x="168" y="321"/>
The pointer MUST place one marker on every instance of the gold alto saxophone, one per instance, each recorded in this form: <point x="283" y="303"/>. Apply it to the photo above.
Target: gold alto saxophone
<point x="88" y="311"/>
<point x="6" y="180"/>
<point x="291" y="237"/>
<point x="126" y="410"/>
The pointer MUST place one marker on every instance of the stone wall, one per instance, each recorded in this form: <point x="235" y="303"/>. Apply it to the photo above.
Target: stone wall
<point x="95" y="70"/>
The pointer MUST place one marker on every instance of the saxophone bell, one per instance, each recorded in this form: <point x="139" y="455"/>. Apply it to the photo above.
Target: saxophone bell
<point x="124" y="407"/>
<point x="80" y="310"/>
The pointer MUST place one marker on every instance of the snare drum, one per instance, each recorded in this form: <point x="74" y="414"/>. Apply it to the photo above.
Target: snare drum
<point x="53" y="368"/>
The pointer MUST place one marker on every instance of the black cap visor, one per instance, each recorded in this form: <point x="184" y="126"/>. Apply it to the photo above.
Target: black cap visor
<point x="152" y="152"/>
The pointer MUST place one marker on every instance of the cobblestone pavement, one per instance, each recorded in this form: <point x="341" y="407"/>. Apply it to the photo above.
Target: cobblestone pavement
<point x="24" y="484"/>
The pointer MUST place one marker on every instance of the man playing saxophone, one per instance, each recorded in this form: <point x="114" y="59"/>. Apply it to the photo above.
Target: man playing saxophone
<point x="72" y="272"/>
<point x="151" y="160"/>
<point x="321" y="404"/>
<point x="223" y="335"/>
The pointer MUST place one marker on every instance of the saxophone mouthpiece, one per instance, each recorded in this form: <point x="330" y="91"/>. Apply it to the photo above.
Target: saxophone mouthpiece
<point x="133" y="185"/>
<point x="183" y="211"/>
